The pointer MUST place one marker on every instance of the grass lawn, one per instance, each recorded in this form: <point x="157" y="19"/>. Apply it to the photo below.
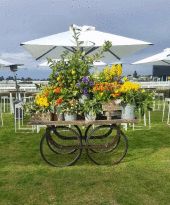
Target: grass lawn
<point x="142" y="178"/>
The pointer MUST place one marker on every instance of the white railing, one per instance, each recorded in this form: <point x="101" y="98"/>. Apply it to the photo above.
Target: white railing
<point x="6" y="87"/>
<point x="157" y="84"/>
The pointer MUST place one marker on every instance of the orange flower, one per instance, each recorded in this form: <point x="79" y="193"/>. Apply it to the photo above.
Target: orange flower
<point x="59" y="101"/>
<point x="115" y="94"/>
<point x="57" y="90"/>
<point x="46" y="94"/>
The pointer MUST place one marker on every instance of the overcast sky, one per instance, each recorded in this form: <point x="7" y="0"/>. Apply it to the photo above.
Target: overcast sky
<point x="23" y="20"/>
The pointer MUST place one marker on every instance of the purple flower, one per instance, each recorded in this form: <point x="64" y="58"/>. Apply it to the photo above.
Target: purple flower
<point x="85" y="79"/>
<point x="78" y="84"/>
<point x="85" y="91"/>
<point x="91" y="83"/>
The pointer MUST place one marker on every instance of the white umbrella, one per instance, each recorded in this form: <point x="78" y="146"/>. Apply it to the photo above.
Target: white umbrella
<point x="46" y="64"/>
<point x="162" y="58"/>
<point x="91" y="42"/>
<point x="4" y="63"/>
<point x="96" y="63"/>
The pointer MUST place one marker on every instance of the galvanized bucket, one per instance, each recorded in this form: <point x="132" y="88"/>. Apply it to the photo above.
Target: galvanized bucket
<point x="128" y="112"/>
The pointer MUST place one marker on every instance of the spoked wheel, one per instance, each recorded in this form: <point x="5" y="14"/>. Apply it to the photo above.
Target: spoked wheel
<point x="61" y="146"/>
<point x="106" y="145"/>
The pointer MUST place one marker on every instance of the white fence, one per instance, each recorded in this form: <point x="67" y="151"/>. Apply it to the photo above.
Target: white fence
<point x="6" y="87"/>
<point x="27" y="87"/>
<point x="157" y="84"/>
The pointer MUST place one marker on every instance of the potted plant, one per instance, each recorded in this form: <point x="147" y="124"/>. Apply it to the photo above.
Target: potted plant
<point x="91" y="107"/>
<point x="70" y="109"/>
<point x="132" y="98"/>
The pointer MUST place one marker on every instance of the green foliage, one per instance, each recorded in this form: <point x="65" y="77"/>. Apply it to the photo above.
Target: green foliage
<point x="68" y="72"/>
<point x="71" y="107"/>
<point x="92" y="105"/>
<point x="142" y="99"/>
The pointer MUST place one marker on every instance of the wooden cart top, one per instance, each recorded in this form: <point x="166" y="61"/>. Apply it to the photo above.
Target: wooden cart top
<point x="82" y="122"/>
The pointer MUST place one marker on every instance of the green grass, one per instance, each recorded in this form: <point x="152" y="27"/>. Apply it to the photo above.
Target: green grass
<point x="142" y="178"/>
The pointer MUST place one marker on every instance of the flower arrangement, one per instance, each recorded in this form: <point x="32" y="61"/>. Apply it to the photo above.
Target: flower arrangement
<point x="72" y="106"/>
<point x="131" y="93"/>
<point x="73" y="89"/>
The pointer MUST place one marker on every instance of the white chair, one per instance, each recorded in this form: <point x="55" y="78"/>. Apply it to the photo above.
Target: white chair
<point x="145" y="121"/>
<point x="11" y="102"/>
<point x="5" y="103"/>
<point x="27" y="99"/>
<point x="166" y="104"/>
<point x="19" y="119"/>
<point x="158" y="101"/>
<point x="1" y="117"/>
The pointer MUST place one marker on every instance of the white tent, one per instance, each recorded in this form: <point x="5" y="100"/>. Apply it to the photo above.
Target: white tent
<point x="162" y="58"/>
<point x="91" y="42"/>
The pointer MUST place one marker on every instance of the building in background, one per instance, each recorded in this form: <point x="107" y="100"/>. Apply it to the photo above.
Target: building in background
<point x="162" y="72"/>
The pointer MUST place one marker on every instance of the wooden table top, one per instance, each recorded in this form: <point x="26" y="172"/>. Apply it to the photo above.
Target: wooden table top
<point x="82" y="122"/>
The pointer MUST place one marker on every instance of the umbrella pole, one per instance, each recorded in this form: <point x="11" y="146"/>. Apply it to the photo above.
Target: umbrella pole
<point x="16" y="86"/>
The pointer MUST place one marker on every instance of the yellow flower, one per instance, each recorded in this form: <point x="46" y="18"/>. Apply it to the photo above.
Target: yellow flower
<point x="41" y="100"/>
<point x="73" y="72"/>
<point x="119" y="70"/>
<point x="129" y="86"/>
<point x="113" y="71"/>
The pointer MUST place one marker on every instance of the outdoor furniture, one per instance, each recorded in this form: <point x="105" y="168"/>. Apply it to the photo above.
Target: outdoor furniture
<point x="5" y="103"/>
<point x="1" y="117"/>
<point x="146" y="121"/>
<point x="27" y="99"/>
<point x="157" y="103"/>
<point x="166" y="102"/>
<point x="63" y="141"/>
<point x="19" y="119"/>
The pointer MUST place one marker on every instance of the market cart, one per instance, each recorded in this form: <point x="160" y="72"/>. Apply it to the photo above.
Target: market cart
<point x="63" y="142"/>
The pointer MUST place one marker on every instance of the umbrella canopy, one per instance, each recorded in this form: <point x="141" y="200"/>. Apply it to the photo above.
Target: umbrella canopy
<point x="4" y="63"/>
<point x="96" y="63"/>
<point x="13" y="67"/>
<point x="91" y="42"/>
<point x="162" y="58"/>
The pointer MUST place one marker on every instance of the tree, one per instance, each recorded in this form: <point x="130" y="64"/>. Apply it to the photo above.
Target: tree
<point x="135" y="75"/>
<point x="1" y="78"/>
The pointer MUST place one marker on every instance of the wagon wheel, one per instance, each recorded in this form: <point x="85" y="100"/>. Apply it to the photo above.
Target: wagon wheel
<point x="61" y="146"/>
<point x="106" y="144"/>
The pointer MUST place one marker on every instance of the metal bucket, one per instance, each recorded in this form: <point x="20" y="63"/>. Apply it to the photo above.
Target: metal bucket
<point x="128" y="112"/>
<point x="70" y="117"/>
